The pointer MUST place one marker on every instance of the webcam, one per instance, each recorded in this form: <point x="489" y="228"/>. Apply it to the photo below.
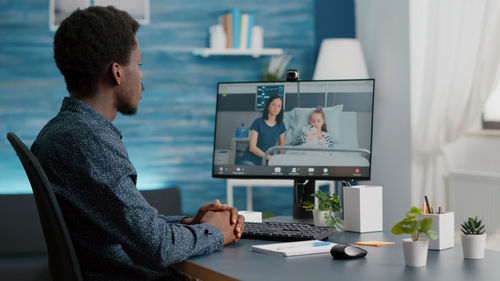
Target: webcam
<point x="292" y="75"/>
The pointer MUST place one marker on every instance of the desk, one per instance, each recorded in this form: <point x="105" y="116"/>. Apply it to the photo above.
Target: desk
<point x="237" y="262"/>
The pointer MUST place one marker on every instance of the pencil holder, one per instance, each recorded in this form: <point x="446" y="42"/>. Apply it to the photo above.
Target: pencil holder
<point x="443" y="224"/>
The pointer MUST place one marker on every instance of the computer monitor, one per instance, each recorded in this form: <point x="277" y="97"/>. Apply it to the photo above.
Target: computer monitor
<point x="300" y="130"/>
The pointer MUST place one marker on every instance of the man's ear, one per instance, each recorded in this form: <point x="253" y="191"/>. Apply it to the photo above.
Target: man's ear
<point x="116" y="72"/>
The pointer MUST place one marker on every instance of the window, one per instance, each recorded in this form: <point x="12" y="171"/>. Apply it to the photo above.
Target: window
<point x="60" y="9"/>
<point x="491" y="113"/>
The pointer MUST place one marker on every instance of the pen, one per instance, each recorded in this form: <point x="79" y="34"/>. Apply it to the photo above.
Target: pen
<point x="428" y="206"/>
<point x="315" y="244"/>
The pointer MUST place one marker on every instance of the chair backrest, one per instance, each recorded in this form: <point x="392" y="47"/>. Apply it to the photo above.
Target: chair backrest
<point x="63" y="263"/>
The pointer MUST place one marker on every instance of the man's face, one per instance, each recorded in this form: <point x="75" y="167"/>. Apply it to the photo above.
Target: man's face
<point x="131" y="89"/>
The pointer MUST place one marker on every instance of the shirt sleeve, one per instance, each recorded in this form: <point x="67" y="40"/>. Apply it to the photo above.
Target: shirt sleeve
<point x="172" y="219"/>
<point x="117" y="212"/>
<point x="328" y="139"/>
<point x="256" y="125"/>
<point x="282" y="128"/>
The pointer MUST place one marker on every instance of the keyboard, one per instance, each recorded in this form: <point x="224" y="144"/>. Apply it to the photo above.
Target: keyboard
<point x="280" y="231"/>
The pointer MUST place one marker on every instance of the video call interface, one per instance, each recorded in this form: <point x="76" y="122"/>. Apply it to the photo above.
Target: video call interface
<point x="310" y="129"/>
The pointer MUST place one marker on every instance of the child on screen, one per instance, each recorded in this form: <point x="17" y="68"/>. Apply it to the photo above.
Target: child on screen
<point x="315" y="132"/>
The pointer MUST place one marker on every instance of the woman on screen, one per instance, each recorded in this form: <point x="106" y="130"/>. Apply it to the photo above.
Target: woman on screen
<point x="265" y="132"/>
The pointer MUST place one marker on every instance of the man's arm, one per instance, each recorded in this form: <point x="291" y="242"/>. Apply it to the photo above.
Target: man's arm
<point x="237" y="220"/>
<point x="116" y="208"/>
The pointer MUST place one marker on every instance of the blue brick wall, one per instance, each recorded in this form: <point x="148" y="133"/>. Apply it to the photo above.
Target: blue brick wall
<point x="170" y="139"/>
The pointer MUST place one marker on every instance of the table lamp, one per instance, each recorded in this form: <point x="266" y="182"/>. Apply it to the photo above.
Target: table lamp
<point x="340" y="58"/>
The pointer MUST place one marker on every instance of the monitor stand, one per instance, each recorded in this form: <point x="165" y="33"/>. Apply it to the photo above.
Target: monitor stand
<point x="302" y="190"/>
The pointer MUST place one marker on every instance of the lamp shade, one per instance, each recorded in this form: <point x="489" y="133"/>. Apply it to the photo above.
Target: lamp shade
<point x="340" y="59"/>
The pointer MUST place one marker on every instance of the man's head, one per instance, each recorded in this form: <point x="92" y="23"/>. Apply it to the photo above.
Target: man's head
<point x="98" y="45"/>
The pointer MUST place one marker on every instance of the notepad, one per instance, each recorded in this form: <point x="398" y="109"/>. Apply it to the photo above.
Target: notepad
<point x="290" y="249"/>
<point x="374" y="243"/>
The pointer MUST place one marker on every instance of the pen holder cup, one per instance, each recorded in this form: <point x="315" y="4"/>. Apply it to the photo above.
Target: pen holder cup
<point x="443" y="224"/>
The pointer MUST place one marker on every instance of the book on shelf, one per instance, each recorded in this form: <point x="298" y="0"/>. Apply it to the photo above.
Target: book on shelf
<point x="251" y="20"/>
<point x="238" y="27"/>
<point x="244" y="31"/>
<point x="228" y="27"/>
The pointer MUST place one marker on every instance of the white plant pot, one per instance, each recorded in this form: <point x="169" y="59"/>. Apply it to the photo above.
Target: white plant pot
<point x="415" y="252"/>
<point x="319" y="217"/>
<point x="473" y="246"/>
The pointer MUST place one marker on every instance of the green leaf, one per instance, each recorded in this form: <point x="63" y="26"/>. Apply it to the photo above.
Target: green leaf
<point x="414" y="212"/>
<point x="481" y="229"/>
<point x="409" y="227"/>
<point x="432" y="234"/>
<point x="465" y="230"/>
<point x="425" y="224"/>
<point x="308" y="206"/>
<point x="397" y="229"/>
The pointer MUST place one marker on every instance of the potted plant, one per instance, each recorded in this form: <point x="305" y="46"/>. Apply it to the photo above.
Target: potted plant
<point x="415" y="248"/>
<point x="328" y="212"/>
<point x="276" y="68"/>
<point x="473" y="238"/>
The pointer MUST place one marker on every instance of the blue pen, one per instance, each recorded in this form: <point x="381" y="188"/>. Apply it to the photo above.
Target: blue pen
<point x="316" y="244"/>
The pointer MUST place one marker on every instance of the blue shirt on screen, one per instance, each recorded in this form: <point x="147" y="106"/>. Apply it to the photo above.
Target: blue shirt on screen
<point x="116" y="234"/>
<point x="267" y="138"/>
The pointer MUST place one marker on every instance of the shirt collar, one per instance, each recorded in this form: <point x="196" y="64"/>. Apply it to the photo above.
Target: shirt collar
<point x="76" y="105"/>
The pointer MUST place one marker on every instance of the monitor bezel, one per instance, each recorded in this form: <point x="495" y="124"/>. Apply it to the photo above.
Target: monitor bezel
<point x="295" y="177"/>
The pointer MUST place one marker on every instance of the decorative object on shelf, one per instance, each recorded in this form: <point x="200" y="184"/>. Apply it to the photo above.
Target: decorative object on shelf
<point x="236" y="35"/>
<point x="473" y="238"/>
<point x="276" y="68"/>
<point x="217" y="37"/>
<point x="257" y="38"/>
<point x="415" y="248"/>
<point x="340" y="59"/>
<point x="328" y="210"/>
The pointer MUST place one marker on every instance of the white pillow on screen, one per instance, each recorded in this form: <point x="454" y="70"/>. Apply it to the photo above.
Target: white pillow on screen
<point x="289" y="122"/>
<point x="298" y="118"/>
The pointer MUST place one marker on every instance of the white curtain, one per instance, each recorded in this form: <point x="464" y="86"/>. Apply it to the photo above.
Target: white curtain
<point x="456" y="62"/>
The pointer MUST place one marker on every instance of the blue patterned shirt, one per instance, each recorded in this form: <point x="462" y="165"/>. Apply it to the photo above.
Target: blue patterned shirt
<point x="117" y="235"/>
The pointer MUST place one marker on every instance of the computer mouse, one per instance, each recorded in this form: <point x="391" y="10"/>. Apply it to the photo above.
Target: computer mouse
<point x="347" y="251"/>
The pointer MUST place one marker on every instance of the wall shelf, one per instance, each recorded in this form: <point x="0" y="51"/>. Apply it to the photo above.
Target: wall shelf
<point x="237" y="52"/>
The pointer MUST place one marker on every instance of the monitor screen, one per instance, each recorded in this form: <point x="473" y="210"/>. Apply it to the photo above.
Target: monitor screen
<point x="291" y="130"/>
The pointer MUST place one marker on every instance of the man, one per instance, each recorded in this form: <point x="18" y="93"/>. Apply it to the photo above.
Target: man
<point x="117" y="235"/>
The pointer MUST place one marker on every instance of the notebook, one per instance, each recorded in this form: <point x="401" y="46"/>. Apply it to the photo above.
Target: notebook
<point x="290" y="249"/>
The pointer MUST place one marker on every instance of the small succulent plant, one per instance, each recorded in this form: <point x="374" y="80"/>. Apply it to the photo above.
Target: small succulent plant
<point x="473" y="227"/>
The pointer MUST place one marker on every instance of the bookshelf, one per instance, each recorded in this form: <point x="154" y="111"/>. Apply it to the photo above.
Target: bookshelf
<point x="206" y="52"/>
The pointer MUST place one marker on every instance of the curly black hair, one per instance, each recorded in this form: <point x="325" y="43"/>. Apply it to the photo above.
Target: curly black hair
<point x="88" y="41"/>
<point x="265" y="113"/>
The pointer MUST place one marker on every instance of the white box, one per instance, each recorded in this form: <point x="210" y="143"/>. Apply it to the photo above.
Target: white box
<point x="251" y="216"/>
<point x="443" y="224"/>
<point x="363" y="208"/>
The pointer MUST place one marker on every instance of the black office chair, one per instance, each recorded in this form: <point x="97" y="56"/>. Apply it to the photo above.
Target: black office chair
<point x="63" y="263"/>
